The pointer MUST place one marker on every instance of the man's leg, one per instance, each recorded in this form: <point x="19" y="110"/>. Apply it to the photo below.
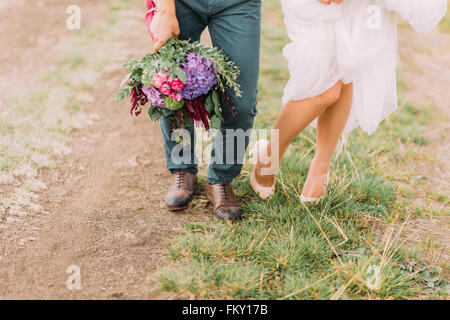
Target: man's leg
<point x="184" y="169"/>
<point x="236" y="29"/>
<point x="191" y="27"/>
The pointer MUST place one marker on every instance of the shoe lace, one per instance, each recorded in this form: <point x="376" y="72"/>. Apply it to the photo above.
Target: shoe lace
<point x="225" y="191"/>
<point x="179" y="179"/>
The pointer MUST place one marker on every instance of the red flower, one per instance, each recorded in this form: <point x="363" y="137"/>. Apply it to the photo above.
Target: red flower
<point x="176" y="96"/>
<point x="177" y="84"/>
<point x="166" y="89"/>
<point x="159" y="79"/>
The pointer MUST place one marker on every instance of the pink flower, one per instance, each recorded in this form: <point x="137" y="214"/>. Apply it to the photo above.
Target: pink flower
<point x="166" y="89"/>
<point x="159" y="79"/>
<point x="177" y="84"/>
<point x="176" y="96"/>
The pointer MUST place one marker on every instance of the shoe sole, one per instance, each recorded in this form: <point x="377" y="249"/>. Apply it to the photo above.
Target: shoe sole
<point x="177" y="209"/>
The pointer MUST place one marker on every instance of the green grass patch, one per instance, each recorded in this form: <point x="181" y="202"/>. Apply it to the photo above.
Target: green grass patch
<point x="284" y="250"/>
<point x="444" y="26"/>
<point x="33" y="131"/>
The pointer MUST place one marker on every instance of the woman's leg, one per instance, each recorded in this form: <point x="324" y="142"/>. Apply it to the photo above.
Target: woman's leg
<point x="293" y="119"/>
<point x="330" y="125"/>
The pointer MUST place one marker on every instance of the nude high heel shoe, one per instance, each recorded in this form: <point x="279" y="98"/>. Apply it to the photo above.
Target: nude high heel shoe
<point x="259" y="154"/>
<point x="304" y="199"/>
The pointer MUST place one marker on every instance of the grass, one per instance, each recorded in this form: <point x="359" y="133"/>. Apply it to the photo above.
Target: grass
<point x="34" y="128"/>
<point x="349" y="246"/>
<point x="444" y="26"/>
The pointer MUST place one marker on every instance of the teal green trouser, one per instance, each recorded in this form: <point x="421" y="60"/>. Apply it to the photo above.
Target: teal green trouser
<point x="235" y="27"/>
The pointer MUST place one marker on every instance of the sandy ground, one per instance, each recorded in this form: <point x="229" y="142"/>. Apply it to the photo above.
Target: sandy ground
<point x="104" y="210"/>
<point x="425" y="66"/>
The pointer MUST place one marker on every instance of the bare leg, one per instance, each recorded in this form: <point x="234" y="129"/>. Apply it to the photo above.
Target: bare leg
<point x="293" y="119"/>
<point x="330" y="125"/>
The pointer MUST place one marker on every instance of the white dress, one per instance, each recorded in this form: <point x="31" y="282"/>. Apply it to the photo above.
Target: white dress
<point x="355" y="41"/>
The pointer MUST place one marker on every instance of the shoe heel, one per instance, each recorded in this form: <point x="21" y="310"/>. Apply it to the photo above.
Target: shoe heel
<point x="304" y="199"/>
<point x="263" y="192"/>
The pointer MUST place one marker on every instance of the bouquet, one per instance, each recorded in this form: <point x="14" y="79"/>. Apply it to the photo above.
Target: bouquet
<point x="183" y="81"/>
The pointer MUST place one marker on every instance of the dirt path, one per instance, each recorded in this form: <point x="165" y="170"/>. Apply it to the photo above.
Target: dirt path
<point x="103" y="210"/>
<point x="32" y="35"/>
<point x="425" y="66"/>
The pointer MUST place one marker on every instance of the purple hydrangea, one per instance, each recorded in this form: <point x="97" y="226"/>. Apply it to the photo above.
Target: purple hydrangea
<point x="200" y="76"/>
<point x="154" y="96"/>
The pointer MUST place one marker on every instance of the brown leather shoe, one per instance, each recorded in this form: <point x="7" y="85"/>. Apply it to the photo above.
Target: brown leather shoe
<point x="181" y="191"/>
<point x="225" y="204"/>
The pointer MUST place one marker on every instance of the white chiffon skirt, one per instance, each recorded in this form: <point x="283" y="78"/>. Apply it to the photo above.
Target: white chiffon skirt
<point x="356" y="42"/>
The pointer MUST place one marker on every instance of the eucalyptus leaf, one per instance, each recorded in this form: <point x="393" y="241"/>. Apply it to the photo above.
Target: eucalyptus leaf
<point x="216" y="98"/>
<point x="180" y="74"/>
<point x="218" y="112"/>
<point x="215" y="122"/>
<point x="209" y="105"/>
<point x="155" y="113"/>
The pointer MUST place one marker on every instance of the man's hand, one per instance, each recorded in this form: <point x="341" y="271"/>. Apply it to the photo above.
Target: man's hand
<point x="328" y="2"/>
<point x="165" y="24"/>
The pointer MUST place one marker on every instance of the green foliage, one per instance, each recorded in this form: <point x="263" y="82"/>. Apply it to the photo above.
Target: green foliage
<point x="217" y="111"/>
<point x="136" y="69"/>
<point x="444" y="26"/>
<point x="215" y="122"/>
<point x="209" y="104"/>
<point x="155" y="113"/>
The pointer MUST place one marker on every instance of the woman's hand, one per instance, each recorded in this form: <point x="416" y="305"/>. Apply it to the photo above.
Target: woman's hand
<point x="165" y="23"/>
<point x="328" y="2"/>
